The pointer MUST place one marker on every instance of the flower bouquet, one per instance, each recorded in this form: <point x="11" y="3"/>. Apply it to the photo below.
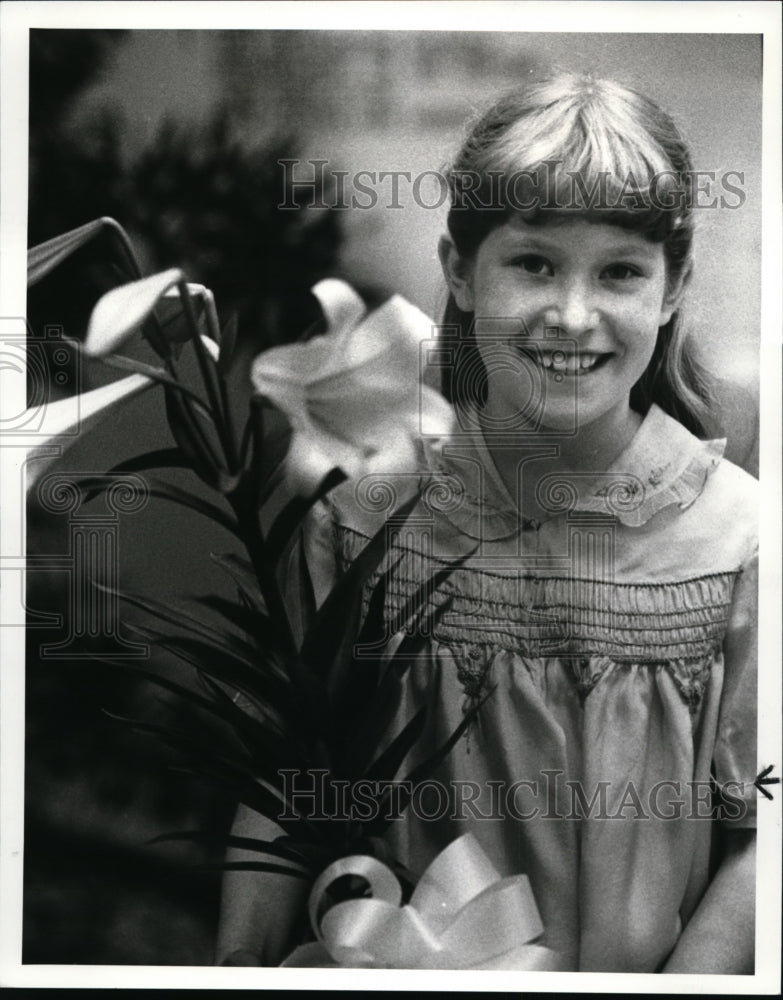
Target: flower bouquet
<point x="311" y="694"/>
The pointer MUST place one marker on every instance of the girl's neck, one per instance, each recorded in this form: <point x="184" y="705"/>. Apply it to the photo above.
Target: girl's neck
<point x="593" y="449"/>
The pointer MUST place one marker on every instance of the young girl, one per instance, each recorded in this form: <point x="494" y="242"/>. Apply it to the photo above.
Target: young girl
<point x="606" y="610"/>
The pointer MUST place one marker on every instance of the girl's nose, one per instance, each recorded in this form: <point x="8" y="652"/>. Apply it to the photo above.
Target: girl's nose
<point x="574" y="312"/>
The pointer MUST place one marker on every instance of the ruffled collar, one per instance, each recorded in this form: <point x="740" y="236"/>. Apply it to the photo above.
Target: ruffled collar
<point x="663" y="465"/>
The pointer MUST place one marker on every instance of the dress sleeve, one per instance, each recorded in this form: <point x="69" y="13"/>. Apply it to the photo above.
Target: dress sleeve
<point x="735" y="757"/>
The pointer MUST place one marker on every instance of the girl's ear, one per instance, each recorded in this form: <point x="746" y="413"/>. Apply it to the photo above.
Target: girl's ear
<point x="674" y="296"/>
<point x="457" y="272"/>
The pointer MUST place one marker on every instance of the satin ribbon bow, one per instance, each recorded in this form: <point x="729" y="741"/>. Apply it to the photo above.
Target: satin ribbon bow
<point x="462" y="915"/>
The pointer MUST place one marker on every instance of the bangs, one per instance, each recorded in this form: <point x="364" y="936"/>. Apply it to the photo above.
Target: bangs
<point x="577" y="147"/>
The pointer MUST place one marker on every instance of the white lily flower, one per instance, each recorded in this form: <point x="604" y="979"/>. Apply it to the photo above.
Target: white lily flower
<point x="354" y="396"/>
<point x="66" y="418"/>
<point x="169" y="311"/>
<point x="212" y="348"/>
<point x="121" y="311"/>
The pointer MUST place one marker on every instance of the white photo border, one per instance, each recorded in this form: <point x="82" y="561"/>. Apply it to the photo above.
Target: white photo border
<point x="662" y="17"/>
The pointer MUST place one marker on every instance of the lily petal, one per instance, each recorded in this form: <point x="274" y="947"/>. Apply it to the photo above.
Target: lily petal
<point x="341" y="305"/>
<point x="171" y="313"/>
<point x="122" y="311"/>
<point x="212" y="348"/>
<point x="354" y="396"/>
<point x="436" y="415"/>
<point x="307" y="464"/>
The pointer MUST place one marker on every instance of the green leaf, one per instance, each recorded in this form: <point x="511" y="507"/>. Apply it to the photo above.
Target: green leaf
<point x="228" y="342"/>
<point x="221" y="640"/>
<point x="323" y="639"/>
<point x="164" y="458"/>
<point x="45" y="257"/>
<point x="358" y="709"/>
<point x="123" y="310"/>
<point x="166" y="491"/>
<point x="364" y="670"/>
<point x="374" y="633"/>
<point x="241" y="572"/>
<point x="261" y="682"/>
<point x="422" y="596"/>
<point x="264" y="801"/>
<point x="191" y="744"/>
<point x="272" y="479"/>
<point x="423" y="771"/>
<point x="268" y="750"/>
<point x="245" y="449"/>
<point x="93" y="485"/>
<point x="371" y="724"/>
<point x="161" y="458"/>
<point x="157" y="374"/>
<point x="314" y="704"/>
<point x="252" y="622"/>
<point x="253" y="866"/>
<point x="294" y="512"/>
<point x="226" y="671"/>
<point x="255" y="797"/>
<point x="306" y="594"/>
<point x="388" y="764"/>
<point x="345" y="630"/>
<point x="191" y="438"/>
<point x="270" y="847"/>
<point x="166" y="683"/>
<point x="358" y="674"/>
<point x="271" y="440"/>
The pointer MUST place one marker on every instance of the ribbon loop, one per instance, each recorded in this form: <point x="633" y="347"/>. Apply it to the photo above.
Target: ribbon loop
<point x="462" y="915"/>
<point x="382" y="881"/>
<point x="461" y="871"/>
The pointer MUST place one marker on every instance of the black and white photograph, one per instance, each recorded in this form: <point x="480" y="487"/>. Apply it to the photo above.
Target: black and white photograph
<point x="390" y="553"/>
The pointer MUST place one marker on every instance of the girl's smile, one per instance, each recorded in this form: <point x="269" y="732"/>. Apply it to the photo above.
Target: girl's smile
<point x="562" y="364"/>
<point x="579" y="301"/>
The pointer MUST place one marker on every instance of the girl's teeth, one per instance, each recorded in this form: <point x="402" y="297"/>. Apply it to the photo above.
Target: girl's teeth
<point x="573" y="364"/>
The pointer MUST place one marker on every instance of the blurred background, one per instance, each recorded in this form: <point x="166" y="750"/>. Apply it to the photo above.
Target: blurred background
<point x="178" y="135"/>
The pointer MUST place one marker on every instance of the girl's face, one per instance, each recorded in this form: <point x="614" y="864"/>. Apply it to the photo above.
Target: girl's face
<point x="567" y="312"/>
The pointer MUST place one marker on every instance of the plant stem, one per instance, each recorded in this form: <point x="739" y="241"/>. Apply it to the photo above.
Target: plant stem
<point x="243" y="503"/>
<point x="213" y="327"/>
<point x="208" y="377"/>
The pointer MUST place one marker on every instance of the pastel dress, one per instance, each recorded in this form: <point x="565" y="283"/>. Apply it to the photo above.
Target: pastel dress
<point x="614" y="644"/>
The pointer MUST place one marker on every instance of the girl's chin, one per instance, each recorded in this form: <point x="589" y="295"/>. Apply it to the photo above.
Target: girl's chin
<point x="569" y="415"/>
<point x="565" y="407"/>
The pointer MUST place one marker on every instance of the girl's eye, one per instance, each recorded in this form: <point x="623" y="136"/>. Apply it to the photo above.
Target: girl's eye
<point x="533" y="263"/>
<point x="621" y="272"/>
